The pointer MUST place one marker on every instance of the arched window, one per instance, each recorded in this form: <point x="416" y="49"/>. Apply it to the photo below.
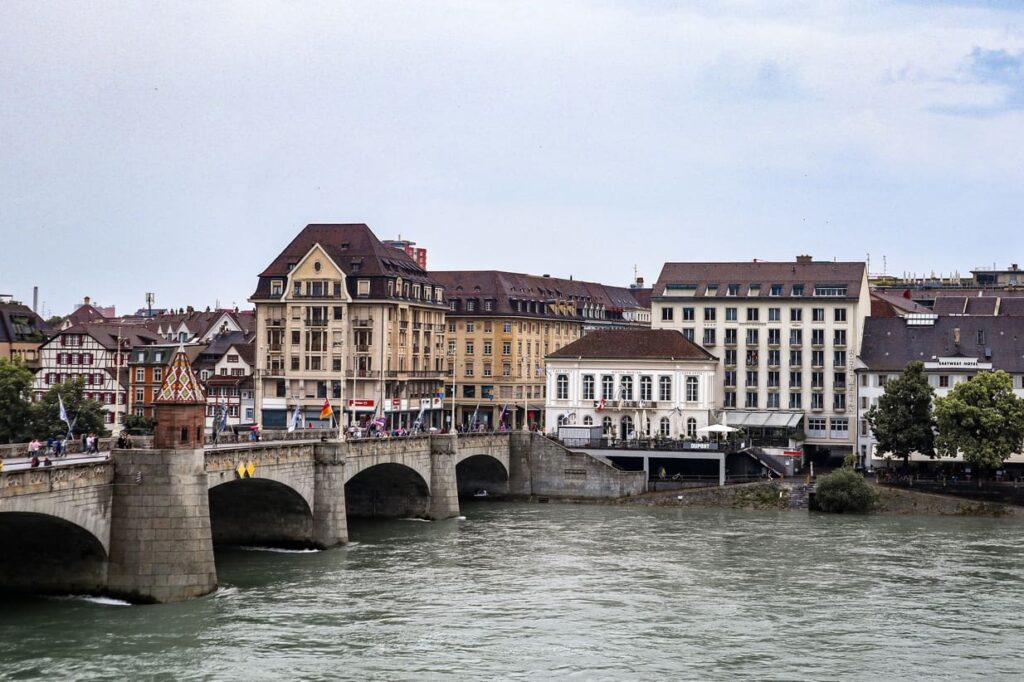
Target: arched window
<point x="588" y="421"/>
<point x="184" y="434"/>
<point x="692" y="392"/>
<point x="665" y="427"/>
<point x="626" y="388"/>
<point x="665" y="388"/>
<point x="627" y="428"/>
<point x="646" y="389"/>
<point x="606" y="425"/>
<point x="691" y="428"/>
<point x="562" y="387"/>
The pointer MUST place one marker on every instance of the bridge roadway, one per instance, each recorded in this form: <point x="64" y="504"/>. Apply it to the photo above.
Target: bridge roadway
<point x="142" y="523"/>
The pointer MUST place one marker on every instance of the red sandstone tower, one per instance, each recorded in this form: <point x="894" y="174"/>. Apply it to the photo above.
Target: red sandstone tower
<point x="180" y="408"/>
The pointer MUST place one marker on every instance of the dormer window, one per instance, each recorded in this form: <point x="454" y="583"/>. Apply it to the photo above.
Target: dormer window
<point x="363" y="287"/>
<point x="276" y="287"/>
<point x="470" y="305"/>
<point x="453" y="304"/>
<point x="733" y="290"/>
<point x="776" y="290"/>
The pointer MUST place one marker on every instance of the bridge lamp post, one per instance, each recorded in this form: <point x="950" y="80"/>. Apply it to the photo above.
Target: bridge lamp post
<point x="455" y="388"/>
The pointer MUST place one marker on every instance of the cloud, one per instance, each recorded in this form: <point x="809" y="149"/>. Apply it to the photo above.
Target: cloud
<point x="997" y="78"/>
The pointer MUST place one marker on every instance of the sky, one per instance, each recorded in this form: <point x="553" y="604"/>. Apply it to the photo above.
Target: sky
<point x="176" y="147"/>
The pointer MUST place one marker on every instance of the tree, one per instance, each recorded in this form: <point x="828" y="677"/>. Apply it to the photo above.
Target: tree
<point x="15" y="383"/>
<point x="140" y="423"/>
<point x="981" y="418"/>
<point x="86" y="415"/>
<point x="844" y="491"/>
<point x="902" y="420"/>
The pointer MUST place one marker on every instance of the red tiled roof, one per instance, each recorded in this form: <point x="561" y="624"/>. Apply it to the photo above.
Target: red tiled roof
<point x="630" y="344"/>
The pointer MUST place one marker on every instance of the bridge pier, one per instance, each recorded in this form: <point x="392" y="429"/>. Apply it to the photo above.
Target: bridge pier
<point x="161" y="548"/>
<point x="330" y="521"/>
<point x="444" y="487"/>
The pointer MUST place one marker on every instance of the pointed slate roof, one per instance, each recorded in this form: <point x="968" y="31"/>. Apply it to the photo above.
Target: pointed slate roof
<point x="181" y="385"/>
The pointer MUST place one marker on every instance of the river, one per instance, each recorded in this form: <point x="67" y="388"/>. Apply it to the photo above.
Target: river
<point x="560" y="591"/>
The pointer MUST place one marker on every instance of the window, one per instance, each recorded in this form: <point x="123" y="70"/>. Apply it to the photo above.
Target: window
<point x="666" y="314"/>
<point x="751" y="377"/>
<point x="773" y="379"/>
<point x="751" y="399"/>
<point x="753" y="314"/>
<point x="140" y="395"/>
<point x="796" y="337"/>
<point x="665" y="388"/>
<point x="981" y="337"/>
<point x="816" y="427"/>
<point x="817" y="380"/>
<point x="774" y="337"/>
<point x="606" y="426"/>
<point x="775" y="290"/>
<point x="507" y="327"/>
<point x="692" y="389"/>
<point x="688" y="333"/>
<point x="796" y="358"/>
<point x="709" y="314"/>
<point x="837" y="290"/>
<point x="774" y="314"/>
<point x="753" y="359"/>
<point x="795" y="401"/>
<point x="487" y="369"/>
<point x="730" y="357"/>
<point x="840" y="314"/>
<point x="729" y="399"/>
<point x="839" y="401"/>
<point x="840" y="427"/>
<point x="817" y="337"/>
<point x="689" y="314"/>
<point x="664" y="427"/>
<point x="709" y="337"/>
<point x="506" y="348"/>
<point x="796" y="379"/>
<point x="337" y="312"/>
<point x="627" y="427"/>
<point x="796" y="314"/>
<point x="276" y="287"/>
<point x="817" y="401"/>
<point x="752" y="337"/>
<point x="774" y="358"/>
<point x="773" y="401"/>
<point x="469" y="348"/>
<point x="607" y="387"/>
<point x="732" y="290"/>
<point x="839" y="358"/>
<point x="626" y="388"/>
<point x="487" y="347"/>
<point x="839" y="337"/>
<point x="140" y="374"/>
<point x="730" y="314"/>
<point x="363" y="287"/>
<point x="817" y="315"/>
<point x="470" y="327"/>
<point x="730" y="378"/>
<point x="883" y="379"/>
<point x="798" y="289"/>
<point x="691" y="427"/>
<point x="646" y="388"/>
<point x="944" y="381"/>
<point x="730" y="337"/>
<point x="588" y="386"/>
<point x="818" y="358"/>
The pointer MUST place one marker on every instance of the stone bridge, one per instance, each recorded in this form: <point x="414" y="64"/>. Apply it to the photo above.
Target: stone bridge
<point x="143" y="525"/>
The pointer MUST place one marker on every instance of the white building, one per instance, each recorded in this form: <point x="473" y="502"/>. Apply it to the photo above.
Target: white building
<point x="787" y="334"/>
<point x="632" y="382"/>
<point x="952" y="348"/>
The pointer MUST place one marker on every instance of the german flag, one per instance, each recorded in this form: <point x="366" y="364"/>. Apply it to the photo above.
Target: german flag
<point x="326" y="411"/>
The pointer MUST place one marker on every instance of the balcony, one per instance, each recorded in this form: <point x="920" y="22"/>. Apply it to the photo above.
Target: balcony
<point x="796" y="344"/>
<point x="403" y="324"/>
<point x="363" y="374"/>
<point x="362" y="323"/>
<point x="731" y="343"/>
<point x="362" y="348"/>
<point x="417" y="326"/>
<point x="316" y="322"/>
<point x="275" y="322"/>
<point x="839" y="345"/>
<point x="817" y="344"/>
<point x="316" y="297"/>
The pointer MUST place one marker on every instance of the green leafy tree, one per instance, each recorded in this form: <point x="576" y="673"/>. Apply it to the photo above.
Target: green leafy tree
<point x="982" y="419"/>
<point x="902" y="421"/>
<point x="134" y="421"/>
<point x="844" y="491"/>
<point x="15" y="383"/>
<point x="46" y="413"/>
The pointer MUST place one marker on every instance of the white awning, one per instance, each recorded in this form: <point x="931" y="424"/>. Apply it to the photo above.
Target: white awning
<point x="770" y="420"/>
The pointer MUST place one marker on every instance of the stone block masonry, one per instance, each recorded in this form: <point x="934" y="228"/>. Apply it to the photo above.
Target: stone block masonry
<point x="541" y="467"/>
<point x="161" y="546"/>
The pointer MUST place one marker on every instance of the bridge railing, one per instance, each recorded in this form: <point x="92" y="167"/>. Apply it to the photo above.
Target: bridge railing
<point x="74" y="446"/>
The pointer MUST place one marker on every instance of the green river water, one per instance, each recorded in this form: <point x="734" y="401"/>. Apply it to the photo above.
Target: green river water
<point x="517" y="591"/>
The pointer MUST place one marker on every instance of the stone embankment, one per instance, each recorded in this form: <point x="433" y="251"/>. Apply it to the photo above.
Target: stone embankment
<point x="761" y="496"/>
<point x="902" y="501"/>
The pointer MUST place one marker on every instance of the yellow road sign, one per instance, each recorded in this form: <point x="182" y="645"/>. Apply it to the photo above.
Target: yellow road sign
<point x="241" y="470"/>
<point x="251" y="469"/>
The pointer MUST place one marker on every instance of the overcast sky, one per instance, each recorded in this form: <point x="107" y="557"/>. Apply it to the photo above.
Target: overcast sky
<point x="177" y="147"/>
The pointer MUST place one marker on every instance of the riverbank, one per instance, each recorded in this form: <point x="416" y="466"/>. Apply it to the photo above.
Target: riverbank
<point x="776" y="497"/>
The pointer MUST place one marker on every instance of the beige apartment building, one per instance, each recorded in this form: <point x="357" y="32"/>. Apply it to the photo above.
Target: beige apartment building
<point x="788" y="336"/>
<point x="500" y="327"/>
<point x="341" y="317"/>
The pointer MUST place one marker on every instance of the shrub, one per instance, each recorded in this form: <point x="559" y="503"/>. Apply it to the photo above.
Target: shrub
<point x="843" y="492"/>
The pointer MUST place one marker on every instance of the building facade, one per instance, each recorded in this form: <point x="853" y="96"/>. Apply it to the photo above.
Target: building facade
<point x="788" y="335"/>
<point x="22" y="334"/>
<point x="342" y="317"/>
<point x="502" y="325"/>
<point x="953" y="349"/>
<point x="636" y="383"/>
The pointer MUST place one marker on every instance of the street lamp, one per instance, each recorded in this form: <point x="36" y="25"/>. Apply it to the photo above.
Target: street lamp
<point x="455" y="387"/>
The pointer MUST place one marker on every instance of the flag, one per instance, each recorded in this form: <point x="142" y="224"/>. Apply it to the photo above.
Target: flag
<point x="379" y="422"/>
<point x="600" y="405"/>
<point x="419" y="418"/>
<point x="326" y="411"/>
<point x="296" y="419"/>
<point x="63" y="412"/>
<point x="222" y="417"/>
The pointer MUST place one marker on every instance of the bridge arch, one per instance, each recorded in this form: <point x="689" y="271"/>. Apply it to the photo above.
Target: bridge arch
<point x="388" y="490"/>
<point x="263" y="511"/>
<point x="52" y="552"/>
<point x="475" y="472"/>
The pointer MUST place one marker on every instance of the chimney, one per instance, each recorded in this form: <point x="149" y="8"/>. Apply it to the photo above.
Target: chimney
<point x="86" y="300"/>
<point x="639" y="282"/>
<point x="804" y="259"/>
<point x="35" y="300"/>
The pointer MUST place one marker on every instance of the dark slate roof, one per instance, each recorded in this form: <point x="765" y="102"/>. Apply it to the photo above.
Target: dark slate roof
<point x="106" y="334"/>
<point x="504" y="288"/>
<point x="634" y="344"/>
<point x="20" y="324"/>
<point x="890" y="304"/>
<point x="354" y="248"/>
<point x="676" y="278"/>
<point x="889" y="343"/>
<point x="167" y="352"/>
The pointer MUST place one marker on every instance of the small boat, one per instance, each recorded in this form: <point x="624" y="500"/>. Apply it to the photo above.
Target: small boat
<point x="481" y="493"/>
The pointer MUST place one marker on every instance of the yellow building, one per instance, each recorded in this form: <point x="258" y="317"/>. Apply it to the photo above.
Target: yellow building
<point x="343" y="318"/>
<point x="500" y="327"/>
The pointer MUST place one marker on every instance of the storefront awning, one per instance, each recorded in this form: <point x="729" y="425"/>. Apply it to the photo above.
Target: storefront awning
<point x="765" y="420"/>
